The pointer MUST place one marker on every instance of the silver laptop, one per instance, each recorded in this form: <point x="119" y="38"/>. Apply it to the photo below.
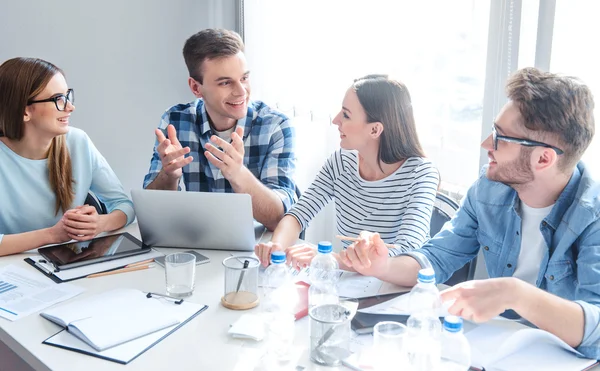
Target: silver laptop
<point x="197" y="220"/>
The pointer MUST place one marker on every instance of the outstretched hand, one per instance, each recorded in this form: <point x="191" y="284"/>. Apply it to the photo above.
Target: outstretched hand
<point x="171" y="153"/>
<point x="230" y="158"/>
<point x="481" y="300"/>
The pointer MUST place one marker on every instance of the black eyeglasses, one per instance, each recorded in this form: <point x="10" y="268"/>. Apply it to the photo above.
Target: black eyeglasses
<point x="60" y="101"/>
<point x="523" y="142"/>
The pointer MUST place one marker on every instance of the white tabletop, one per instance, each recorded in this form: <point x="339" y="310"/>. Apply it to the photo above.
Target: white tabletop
<point x="201" y="344"/>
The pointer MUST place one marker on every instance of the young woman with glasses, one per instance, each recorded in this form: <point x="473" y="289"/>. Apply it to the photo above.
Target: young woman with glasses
<point x="48" y="168"/>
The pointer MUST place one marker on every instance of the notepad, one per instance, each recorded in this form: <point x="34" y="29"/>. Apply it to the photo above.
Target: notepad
<point x="138" y="302"/>
<point x="503" y="348"/>
<point x="111" y="318"/>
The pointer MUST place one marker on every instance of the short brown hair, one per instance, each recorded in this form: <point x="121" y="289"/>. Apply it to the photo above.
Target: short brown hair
<point x="388" y="101"/>
<point x="22" y="79"/>
<point x="210" y="43"/>
<point x="561" y="106"/>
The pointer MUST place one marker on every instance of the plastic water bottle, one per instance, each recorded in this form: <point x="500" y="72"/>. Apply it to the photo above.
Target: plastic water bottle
<point x="280" y="297"/>
<point x="456" y="351"/>
<point x="323" y="274"/>
<point x="423" y="345"/>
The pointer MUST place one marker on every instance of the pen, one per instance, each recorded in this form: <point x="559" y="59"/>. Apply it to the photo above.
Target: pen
<point x="354" y="239"/>
<point x="140" y="263"/>
<point x="246" y="263"/>
<point x="123" y="270"/>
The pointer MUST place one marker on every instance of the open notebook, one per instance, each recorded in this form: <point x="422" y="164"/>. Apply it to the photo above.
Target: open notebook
<point x="502" y="348"/>
<point x="118" y="325"/>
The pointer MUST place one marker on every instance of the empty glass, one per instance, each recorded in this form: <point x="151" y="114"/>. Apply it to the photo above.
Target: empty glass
<point x="388" y="345"/>
<point x="180" y="272"/>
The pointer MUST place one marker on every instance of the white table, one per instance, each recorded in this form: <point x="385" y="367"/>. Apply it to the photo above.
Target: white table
<point x="201" y="344"/>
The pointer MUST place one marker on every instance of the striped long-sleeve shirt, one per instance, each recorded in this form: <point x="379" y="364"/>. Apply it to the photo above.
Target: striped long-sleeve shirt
<point x="398" y="207"/>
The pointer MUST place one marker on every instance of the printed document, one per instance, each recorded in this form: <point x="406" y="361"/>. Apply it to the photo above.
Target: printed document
<point x="24" y="291"/>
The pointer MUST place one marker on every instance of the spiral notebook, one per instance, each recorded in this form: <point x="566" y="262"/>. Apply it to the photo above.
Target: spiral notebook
<point x="143" y="320"/>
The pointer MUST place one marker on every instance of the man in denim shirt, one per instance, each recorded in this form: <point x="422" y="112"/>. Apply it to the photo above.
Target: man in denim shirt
<point x="535" y="213"/>
<point x="222" y="141"/>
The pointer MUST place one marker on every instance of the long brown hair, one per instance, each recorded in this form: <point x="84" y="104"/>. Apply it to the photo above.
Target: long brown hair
<point x="21" y="80"/>
<point x="388" y="101"/>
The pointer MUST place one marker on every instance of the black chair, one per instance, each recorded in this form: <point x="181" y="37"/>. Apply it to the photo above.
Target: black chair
<point x="92" y="200"/>
<point x="302" y="232"/>
<point x="443" y="210"/>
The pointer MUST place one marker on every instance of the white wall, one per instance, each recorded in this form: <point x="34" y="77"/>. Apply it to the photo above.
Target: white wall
<point x="123" y="58"/>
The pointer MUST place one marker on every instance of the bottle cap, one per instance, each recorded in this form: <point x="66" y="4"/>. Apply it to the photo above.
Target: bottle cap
<point x="277" y="257"/>
<point x="453" y="323"/>
<point x="325" y="247"/>
<point x="426" y="275"/>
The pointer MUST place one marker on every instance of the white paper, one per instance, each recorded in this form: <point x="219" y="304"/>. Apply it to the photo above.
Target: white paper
<point x="86" y="270"/>
<point x="400" y="306"/>
<point x="505" y="348"/>
<point x="23" y="292"/>
<point x="248" y="326"/>
<point x="355" y="285"/>
<point x="129" y="350"/>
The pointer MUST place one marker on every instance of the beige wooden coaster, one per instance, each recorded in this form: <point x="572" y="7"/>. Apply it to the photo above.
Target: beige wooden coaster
<point x="240" y="300"/>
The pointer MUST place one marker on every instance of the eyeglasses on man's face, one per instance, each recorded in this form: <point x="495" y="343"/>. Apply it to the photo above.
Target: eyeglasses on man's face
<point x="60" y="100"/>
<point x="524" y="142"/>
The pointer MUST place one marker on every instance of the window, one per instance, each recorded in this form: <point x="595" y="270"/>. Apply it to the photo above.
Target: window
<point x="574" y="53"/>
<point x="305" y="54"/>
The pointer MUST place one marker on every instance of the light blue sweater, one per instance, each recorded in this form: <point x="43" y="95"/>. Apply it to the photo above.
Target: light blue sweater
<point x="27" y="202"/>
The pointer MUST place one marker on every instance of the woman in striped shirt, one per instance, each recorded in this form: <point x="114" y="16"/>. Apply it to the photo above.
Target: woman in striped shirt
<point x="380" y="179"/>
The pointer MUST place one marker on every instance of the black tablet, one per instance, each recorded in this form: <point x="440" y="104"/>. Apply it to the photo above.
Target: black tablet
<point x="100" y="249"/>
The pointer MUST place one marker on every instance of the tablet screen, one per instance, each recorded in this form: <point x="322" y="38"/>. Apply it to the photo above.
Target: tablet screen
<point x="97" y="249"/>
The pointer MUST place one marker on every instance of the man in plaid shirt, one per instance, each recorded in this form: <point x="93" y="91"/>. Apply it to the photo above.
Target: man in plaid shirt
<point x="223" y="142"/>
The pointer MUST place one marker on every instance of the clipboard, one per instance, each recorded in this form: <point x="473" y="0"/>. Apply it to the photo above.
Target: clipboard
<point x="60" y="276"/>
<point x="127" y="352"/>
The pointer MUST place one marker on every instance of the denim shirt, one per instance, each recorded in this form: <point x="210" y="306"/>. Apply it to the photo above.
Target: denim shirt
<point x="488" y="219"/>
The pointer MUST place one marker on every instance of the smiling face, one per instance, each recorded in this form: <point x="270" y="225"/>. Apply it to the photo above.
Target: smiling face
<point x="225" y="89"/>
<point x="43" y="119"/>
<point x="510" y="163"/>
<point x="355" y="131"/>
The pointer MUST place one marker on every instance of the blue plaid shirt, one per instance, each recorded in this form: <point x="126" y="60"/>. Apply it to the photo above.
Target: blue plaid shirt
<point x="269" y="143"/>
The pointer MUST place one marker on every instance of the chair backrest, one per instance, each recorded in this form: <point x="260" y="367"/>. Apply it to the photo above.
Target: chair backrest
<point x="92" y="200"/>
<point x="443" y="210"/>
<point x="302" y="232"/>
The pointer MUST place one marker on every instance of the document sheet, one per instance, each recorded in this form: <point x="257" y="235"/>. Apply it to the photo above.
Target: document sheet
<point x="24" y="291"/>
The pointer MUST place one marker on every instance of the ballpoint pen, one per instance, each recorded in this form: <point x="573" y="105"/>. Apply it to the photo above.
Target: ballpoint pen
<point x="246" y="263"/>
